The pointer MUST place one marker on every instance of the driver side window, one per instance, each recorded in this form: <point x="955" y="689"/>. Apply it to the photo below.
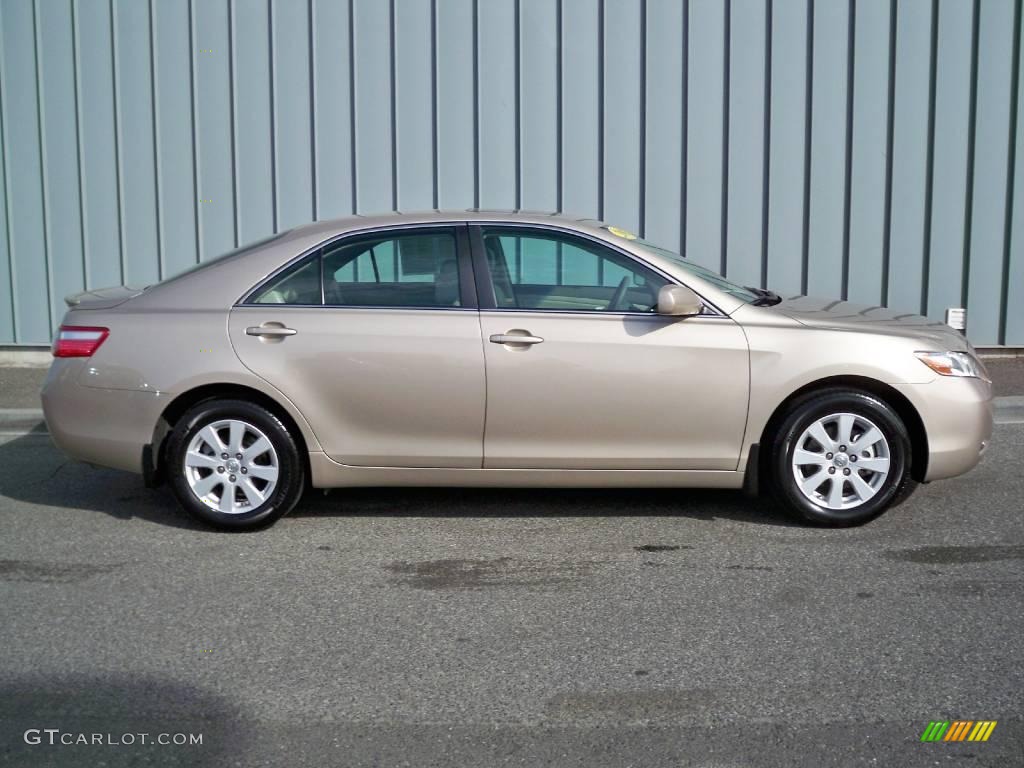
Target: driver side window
<point x="532" y="269"/>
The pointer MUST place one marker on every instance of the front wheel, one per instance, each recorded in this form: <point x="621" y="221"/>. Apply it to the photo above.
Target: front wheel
<point x="234" y="465"/>
<point x="841" y="458"/>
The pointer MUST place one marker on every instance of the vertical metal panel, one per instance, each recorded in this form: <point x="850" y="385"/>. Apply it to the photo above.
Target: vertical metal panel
<point x="870" y="152"/>
<point x="333" y="122"/>
<point x="664" y="116"/>
<point x="786" y="154"/>
<point x="949" y="179"/>
<point x="907" y="247"/>
<point x="293" y="113"/>
<point x="60" y="143"/>
<point x="414" y="109"/>
<point x="497" y="117"/>
<point x="102" y="221"/>
<point x="538" y="82"/>
<point x="988" y="226"/>
<point x="828" y="149"/>
<point x="456" y="115"/>
<point x="1013" y="277"/>
<point x="623" y="132"/>
<point x="254" y="139"/>
<point x="211" y="55"/>
<point x="374" y="161"/>
<point x="26" y="223"/>
<point x="133" y="78"/>
<point x="581" y="99"/>
<point x="746" y="140"/>
<point x="6" y="293"/>
<point x="789" y="142"/>
<point x="705" y="132"/>
<point x="174" y="135"/>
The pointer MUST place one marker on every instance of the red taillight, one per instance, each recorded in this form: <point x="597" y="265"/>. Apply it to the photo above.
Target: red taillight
<point x="78" y="340"/>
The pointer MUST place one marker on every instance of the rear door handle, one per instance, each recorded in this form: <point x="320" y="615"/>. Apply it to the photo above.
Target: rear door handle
<point x="261" y="330"/>
<point x="515" y="338"/>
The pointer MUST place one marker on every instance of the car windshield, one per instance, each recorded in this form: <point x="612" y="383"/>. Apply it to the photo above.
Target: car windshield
<point x="222" y="257"/>
<point x="741" y="293"/>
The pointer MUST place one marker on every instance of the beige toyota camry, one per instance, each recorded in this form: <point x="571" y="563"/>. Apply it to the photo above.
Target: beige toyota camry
<point x="480" y="348"/>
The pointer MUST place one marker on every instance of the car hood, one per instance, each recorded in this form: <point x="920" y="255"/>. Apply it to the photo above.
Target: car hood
<point x="102" y="298"/>
<point x="844" y="315"/>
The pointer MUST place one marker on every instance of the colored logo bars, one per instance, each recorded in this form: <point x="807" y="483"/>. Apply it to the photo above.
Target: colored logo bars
<point x="958" y="730"/>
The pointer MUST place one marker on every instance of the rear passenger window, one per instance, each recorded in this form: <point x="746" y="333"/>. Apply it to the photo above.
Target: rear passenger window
<point x="411" y="270"/>
<point x="417" y="269"/>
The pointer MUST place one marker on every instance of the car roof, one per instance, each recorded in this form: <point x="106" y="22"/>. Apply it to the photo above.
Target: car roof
<point x="354" y="222"/>
<point x="241" y="270"/>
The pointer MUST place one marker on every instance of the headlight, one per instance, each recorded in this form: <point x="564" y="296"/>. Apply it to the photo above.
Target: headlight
<point x="954" y="364"/>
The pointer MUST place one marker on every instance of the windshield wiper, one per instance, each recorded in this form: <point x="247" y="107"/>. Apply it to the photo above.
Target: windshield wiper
<point x="765" y="298"/>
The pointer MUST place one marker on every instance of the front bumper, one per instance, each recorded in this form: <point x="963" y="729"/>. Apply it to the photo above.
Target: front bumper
<point x="957" y="416"/>
<point x="108" y="427"/>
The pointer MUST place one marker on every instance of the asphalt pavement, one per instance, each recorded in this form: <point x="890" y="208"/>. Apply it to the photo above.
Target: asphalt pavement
<point x="492" y="628"/>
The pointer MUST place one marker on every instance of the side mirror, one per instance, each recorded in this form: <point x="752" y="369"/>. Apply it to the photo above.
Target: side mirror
<point x="678" y="301"/>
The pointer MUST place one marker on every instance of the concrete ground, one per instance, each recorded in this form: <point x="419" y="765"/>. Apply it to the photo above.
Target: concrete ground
<point x="1007" y="375"/>
<point x="492" y="628"/>
<point x="19" y="387"/>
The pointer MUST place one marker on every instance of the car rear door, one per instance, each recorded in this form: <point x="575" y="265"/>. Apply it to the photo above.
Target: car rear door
<point x="376" y="340"/>
<point x="582" y="374"/>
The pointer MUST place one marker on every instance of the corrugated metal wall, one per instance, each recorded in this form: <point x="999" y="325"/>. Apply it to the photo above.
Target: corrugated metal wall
<point x="862" y="149"/>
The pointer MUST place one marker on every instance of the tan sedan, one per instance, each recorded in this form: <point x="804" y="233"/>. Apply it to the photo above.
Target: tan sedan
<point x="504" y="349"/>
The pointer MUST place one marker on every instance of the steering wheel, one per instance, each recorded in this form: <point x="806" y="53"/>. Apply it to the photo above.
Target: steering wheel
<point x="620" y="293"/>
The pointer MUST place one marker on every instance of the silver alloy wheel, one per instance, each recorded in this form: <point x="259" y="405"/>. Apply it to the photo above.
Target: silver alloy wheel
<point x="231" y="466"/>
<point x="841" y="461"/>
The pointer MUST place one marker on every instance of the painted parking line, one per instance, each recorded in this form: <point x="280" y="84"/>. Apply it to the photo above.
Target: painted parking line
<point x="21" y="421"/>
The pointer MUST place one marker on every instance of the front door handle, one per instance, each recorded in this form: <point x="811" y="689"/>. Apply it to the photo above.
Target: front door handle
<point x="269" y="330"/>
<point x="515" y="338"/>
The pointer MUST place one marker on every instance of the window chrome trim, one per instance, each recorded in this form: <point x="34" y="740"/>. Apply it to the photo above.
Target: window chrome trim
<point x="367" y="307"/>
<point x="602" y="313"/>
<point x="672" y="280"/>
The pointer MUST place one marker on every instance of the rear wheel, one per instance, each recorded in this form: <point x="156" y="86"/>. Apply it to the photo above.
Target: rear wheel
<point x="841" y="458"/>
<point x="233" y="465"/>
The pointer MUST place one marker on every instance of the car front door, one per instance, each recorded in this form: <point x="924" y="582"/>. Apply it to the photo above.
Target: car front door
<point x="583" y="374"/>
<point x="376" y="340"/>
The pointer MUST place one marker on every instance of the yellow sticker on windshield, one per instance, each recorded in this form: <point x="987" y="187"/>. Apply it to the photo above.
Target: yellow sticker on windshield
<point x="619" y="232"/>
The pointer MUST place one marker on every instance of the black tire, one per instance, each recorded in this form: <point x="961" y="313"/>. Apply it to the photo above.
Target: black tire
<point x="283" y="496"/>
<point x="803" y="412"/>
